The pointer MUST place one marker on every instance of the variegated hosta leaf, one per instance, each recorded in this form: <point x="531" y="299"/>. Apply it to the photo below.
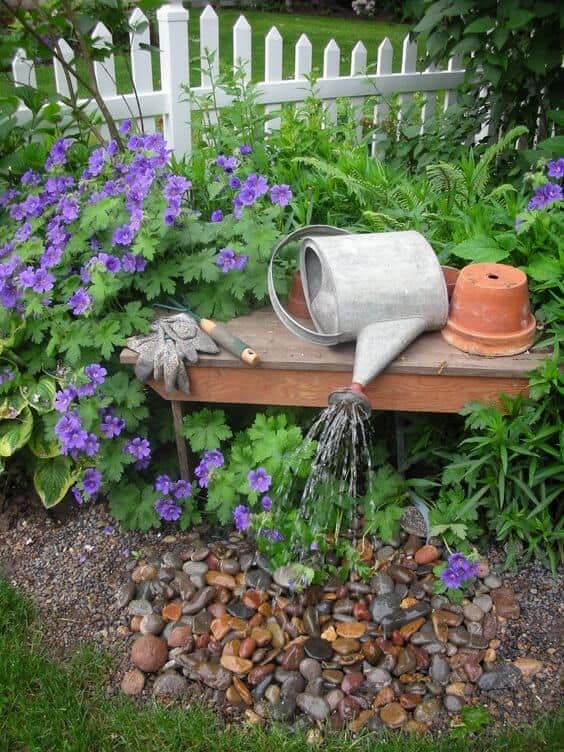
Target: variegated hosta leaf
<point x="14" y="434"/>
<point x="52" y="479"/>
<point x="41" y="395"/>
<point x="11" y="406"/>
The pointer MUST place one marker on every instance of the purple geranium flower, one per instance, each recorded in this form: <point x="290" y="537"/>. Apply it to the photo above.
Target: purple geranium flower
<point x="281" y="194"/>
<point x="451" y="578"/>
<point x="139" y="448"/>
<point x="545" y="195"/>
<point x="96" y="374"/>
<point x="125" y="126"/>
<point x="266" y="503"/>
<point x="182" y="489"/>
<point x="272" y="534"/>
<point x="555" y="169"/>
<point x="216" y="216"/>
<point x="259" y="480"/>
<point x="167" y="509"/>
<point x="112" y="426"/>
<point x="226" y="259"/>
<point x="123" y="235"/>
<point x="163" y="484"/>
<point x="91" y="481"/>
<point x="227" y="164"/>
<point x="79" y="301"/>
<point x="58" y="154"/>
<point x="63" y="399"/>
<point x="242" y="517"/>
<point x="234" y="182"/>
<point x="214" y="458"/>
<point x="245" y="149"/>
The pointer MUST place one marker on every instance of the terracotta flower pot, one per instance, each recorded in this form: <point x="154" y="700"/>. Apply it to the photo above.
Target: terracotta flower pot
<point x="297" y="305"/>
<point x="490" y="312"/>
<point x="450" y="275"/>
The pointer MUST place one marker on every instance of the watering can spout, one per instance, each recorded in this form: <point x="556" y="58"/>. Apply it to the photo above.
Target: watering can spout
<point x="378" y="344"/>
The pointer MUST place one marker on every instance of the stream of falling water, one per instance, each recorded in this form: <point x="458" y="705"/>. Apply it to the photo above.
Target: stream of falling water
<point x="340" y="471"/>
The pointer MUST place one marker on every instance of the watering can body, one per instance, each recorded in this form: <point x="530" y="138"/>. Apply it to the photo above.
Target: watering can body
<point x="380" y="289"/>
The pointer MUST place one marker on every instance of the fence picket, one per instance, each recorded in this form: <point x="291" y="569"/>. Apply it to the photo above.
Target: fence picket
<point x="209" y="58"/>
<point x="408" y="65"/>
<point x="451" y="95"/>
<point x="104" y="70"/>
<point x="141" y="62"/>
<point x="303" y="56"/>
<point x="382" y="109"/>
<point x="428" y="109"/>
<point x="272" y="71"/>
<point x="175" y="76"/>
<point x="242" y="51"/>
<point x="331" y="69"/>
<point x="209" y="46"/>
<point x="23" y="69"/>
<point x="61" y="80"/>
<point x="359" y="60"/>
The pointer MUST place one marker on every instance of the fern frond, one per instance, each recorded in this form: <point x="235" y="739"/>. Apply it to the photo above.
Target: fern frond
<point x="380" y="222"/>
<point x="481" y="176"/>
<point x="446" y="179"/>
<point x="360" y="189"/>
<point x="407" y="199"/>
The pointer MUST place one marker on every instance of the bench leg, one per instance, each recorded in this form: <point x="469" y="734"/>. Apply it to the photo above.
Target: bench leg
<point x="181" y="449"/>
<point x="399" y="426"/>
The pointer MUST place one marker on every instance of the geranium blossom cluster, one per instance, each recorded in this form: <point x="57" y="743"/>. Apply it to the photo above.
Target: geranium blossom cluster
<point x="48" y="211"/>
<point x="167" y="506"/>
<point x="83" y="445"/>
<point x="549" y="192"/>
<point x="205" y="469"/>
<point x="258" y="480"/>
<point x="140" y="449"/>
<point x="246" y="192"/>
<point x="458" y="571"/>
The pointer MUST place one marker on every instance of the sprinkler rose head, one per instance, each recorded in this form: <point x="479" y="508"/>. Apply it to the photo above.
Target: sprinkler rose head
<point x="352" y="396"/>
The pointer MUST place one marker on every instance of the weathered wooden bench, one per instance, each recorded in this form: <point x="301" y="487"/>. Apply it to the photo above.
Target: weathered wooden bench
<point x="429" y="376"/>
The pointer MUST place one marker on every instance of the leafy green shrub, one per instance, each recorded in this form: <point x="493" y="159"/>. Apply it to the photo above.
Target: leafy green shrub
<point x="516" y="53"/>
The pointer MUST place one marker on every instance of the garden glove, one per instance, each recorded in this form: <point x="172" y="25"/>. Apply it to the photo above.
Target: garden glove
<point x="171" y="341"/>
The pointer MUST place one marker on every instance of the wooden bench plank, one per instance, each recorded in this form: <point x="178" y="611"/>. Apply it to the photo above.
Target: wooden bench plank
<point x="279" y="349"/>
<point x="405" y="392"/>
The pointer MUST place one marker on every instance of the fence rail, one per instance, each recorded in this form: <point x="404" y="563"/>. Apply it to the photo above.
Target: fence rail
<point x="173" y="104"/>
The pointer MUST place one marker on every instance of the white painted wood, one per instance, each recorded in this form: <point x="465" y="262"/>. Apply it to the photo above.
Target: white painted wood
<point x="303" y="58"/>
<point x="382" y="109"/>
<point x="104" y="70"/>
<point x="61" y="80"/>
<point x="408" y="65"/>
<point x="172" y="102"/>
<point x="451" y="95"/>
<point x="242" y="51"/>
<point x="272" y="71"/>
<point x="175" y="76"/>
<point x="141" y="62"/>
<point x="428" y="109"/>
<point x="23" y="69"/>
<point x="359" y="61"/>
<point x="209" y="58"/>
<point x="331" y="70"/>
<point x="209" y="46"/>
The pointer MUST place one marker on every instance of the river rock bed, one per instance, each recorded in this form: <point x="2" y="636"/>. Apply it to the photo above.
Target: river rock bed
<point x="72" y="562"/>
<point x="386" y="652"/>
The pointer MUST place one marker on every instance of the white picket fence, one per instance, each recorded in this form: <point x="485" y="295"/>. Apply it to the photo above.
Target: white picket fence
<point x="175" y="107"/>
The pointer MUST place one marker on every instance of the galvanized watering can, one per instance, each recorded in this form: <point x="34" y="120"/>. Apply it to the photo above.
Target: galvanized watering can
<point x="381" y="289"/>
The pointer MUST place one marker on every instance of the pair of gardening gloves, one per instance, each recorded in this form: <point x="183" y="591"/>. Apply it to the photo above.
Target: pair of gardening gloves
<point x="171" y="341"/>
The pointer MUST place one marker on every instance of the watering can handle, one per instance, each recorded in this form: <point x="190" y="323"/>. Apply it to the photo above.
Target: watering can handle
<point x="289" y="322"/>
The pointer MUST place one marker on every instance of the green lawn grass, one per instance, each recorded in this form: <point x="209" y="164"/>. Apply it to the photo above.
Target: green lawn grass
<point x="60" y="707"/>
<point x="320" y="30"/>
